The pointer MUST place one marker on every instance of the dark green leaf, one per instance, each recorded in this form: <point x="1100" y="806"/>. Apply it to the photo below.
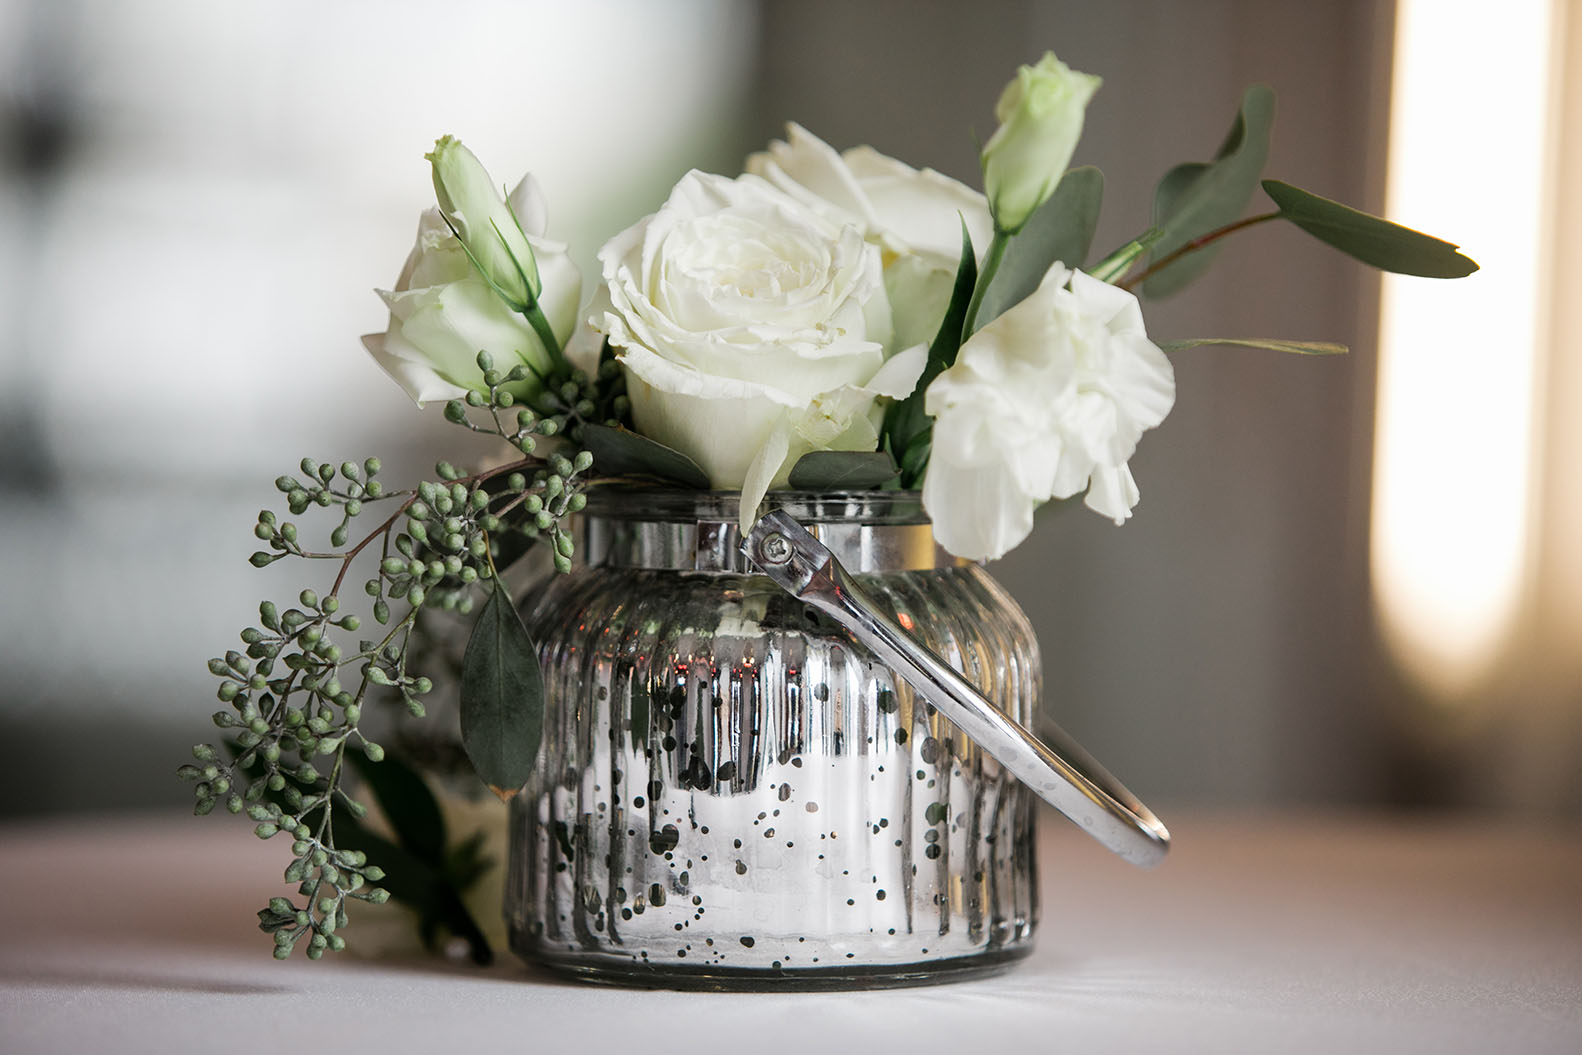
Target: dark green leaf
<point x="1196" y="198"/>
<point x="502" y="697"/>
<point x="1377" y="242"/>
<point x="621" y="452"/>
<point x="1273" y="344"/>
<point x="1060" y="231"/>
<point x="841" y="471"/>
<point x="407" y="803"/>
<point x="906" y="421"/>
<point x="418" y="884"/>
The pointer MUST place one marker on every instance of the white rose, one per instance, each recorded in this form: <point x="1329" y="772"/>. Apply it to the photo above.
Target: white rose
<point x="751" y="330"/>
<point x="1047" y="400"/>
<point x="443" y="313"/>
<point x="913" y="216"/>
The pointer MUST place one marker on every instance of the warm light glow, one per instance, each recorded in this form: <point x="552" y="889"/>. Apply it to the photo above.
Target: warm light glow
<point x="1453" y="462"/>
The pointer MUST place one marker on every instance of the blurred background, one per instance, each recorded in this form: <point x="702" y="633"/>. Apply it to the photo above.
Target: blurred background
<point x="1350" y="582"/>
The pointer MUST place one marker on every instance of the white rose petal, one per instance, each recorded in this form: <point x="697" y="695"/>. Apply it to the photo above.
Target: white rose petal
<point x="1047" y="400"/>
<point x="914" y="215"/>
<point x="751" y="330"/>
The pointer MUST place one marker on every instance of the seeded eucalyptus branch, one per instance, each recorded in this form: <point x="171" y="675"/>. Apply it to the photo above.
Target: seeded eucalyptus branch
<point x="297" y="689"/>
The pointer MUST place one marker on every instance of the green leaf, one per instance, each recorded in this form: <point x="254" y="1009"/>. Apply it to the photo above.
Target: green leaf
<point x="407" y="803"/>
<point x="1273" y="344"/>
<point x="502" y="697"/>
<point x="842" y="471"/>
<point x="1375" y="241"/>
<point x="622" y="452"/>
<point x="1196" y="198"/>
<point x="906" y="421"/>
<point x="419" y="885"/>
<point x="1061" y="230"/>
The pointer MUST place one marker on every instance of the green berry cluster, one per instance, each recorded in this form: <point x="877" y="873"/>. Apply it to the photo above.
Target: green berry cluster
<point x="297" y="689"/>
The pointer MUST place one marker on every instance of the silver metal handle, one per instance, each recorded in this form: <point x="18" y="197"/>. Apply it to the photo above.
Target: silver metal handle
<point x="1064" y="775"/>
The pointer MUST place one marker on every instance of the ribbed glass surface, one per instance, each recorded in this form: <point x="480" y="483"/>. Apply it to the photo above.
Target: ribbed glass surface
<point x="733" y="793"/>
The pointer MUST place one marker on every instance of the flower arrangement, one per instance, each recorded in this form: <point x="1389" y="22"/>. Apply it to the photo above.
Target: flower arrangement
<point x="826" y="321"/>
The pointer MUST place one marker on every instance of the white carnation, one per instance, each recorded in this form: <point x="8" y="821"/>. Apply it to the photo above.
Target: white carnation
<point x="1046" y="401"/>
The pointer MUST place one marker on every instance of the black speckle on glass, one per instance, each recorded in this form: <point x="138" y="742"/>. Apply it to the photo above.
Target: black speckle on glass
<point x="656" y="788"/>
<point x="886" y="701"/>
<point x="879" y="894"/>
<point x="821" y="692"/>
<point x="811" y="807"/>
<point x="664" y="840"/>
<point x="669" y="743"/>
<point x="932" y="835"/>
<point x="637" y="803"/>
<point x="741" y="868"/>
<point x="747" y="941"/>
<point x="769" y="833"/>
<point x="656" y="895"/>
<point x="900" y="736"/>
<point x="932" y="852"/>
<point x="726" y="773"/>
<point x="935" y="812"/>
<point x="737" y="843"/>
<point x="785" y="792"/>
<point x="797" y="761"/>
<point x="929" y="752"/>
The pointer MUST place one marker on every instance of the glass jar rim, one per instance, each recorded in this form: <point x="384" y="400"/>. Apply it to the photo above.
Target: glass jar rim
<point x="669" y="505"/>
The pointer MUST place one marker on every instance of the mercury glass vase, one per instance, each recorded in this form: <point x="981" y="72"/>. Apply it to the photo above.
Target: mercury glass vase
<point x="733" y="794"/>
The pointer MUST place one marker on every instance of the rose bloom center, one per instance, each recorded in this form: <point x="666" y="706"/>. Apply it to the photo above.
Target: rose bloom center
<point x="744" y="258"/>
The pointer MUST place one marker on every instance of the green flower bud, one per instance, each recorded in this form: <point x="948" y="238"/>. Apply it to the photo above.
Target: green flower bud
<point x="583" y="461"/>
<point x="374" y="752"/>
<point x="1040" y="115"/>
<point x="504" y="399"/>
<point x="526" y="444"/>
<point x="455" y="412"/>
<point x="484" y="223"/>
<point x="576" y="502"/>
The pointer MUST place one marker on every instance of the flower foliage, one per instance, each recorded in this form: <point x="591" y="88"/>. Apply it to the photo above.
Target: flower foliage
<point x="825" y="320"/>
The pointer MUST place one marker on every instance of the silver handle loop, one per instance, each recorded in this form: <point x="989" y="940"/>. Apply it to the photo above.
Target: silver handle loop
<point x="1064" y="775"/>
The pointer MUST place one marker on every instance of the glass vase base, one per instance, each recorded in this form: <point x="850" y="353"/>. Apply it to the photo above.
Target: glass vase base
<point x="709" y="978"/>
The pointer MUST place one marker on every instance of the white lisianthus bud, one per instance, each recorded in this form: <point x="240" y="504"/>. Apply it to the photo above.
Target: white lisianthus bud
<point x="1046" y="401"/>
<point x="443" y="312"/>
<point x="485" y="223"/>
<point x="1040" y="115"/>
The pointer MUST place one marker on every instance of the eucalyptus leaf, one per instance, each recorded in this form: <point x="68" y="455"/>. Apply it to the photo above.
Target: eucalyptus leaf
<point x="407" y="803"/>
<point x="906" y="421"/>
<point x="1060" y="231"/>
<point x="502" y="697"/>
<point x="622" y="452"/>
<point x="1273" y="344"/>
<point x="842" y="471"/>
<point x="1196" y="198"/>
<point x="1370" y="239"/>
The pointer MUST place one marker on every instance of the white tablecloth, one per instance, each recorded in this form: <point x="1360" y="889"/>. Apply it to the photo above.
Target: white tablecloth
<point x="1268" y="935"/>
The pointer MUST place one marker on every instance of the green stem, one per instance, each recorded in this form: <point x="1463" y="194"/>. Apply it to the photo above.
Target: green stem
<point x="535" y="318"/>
<point x="991" y="265"/>
<point x="1193" y="246"/>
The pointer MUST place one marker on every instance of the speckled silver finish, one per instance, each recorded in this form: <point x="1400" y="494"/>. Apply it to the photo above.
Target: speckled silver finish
<point x="734" y="794"/>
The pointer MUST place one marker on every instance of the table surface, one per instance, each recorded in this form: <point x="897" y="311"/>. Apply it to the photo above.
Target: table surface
<point x="1275" y="934"/>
